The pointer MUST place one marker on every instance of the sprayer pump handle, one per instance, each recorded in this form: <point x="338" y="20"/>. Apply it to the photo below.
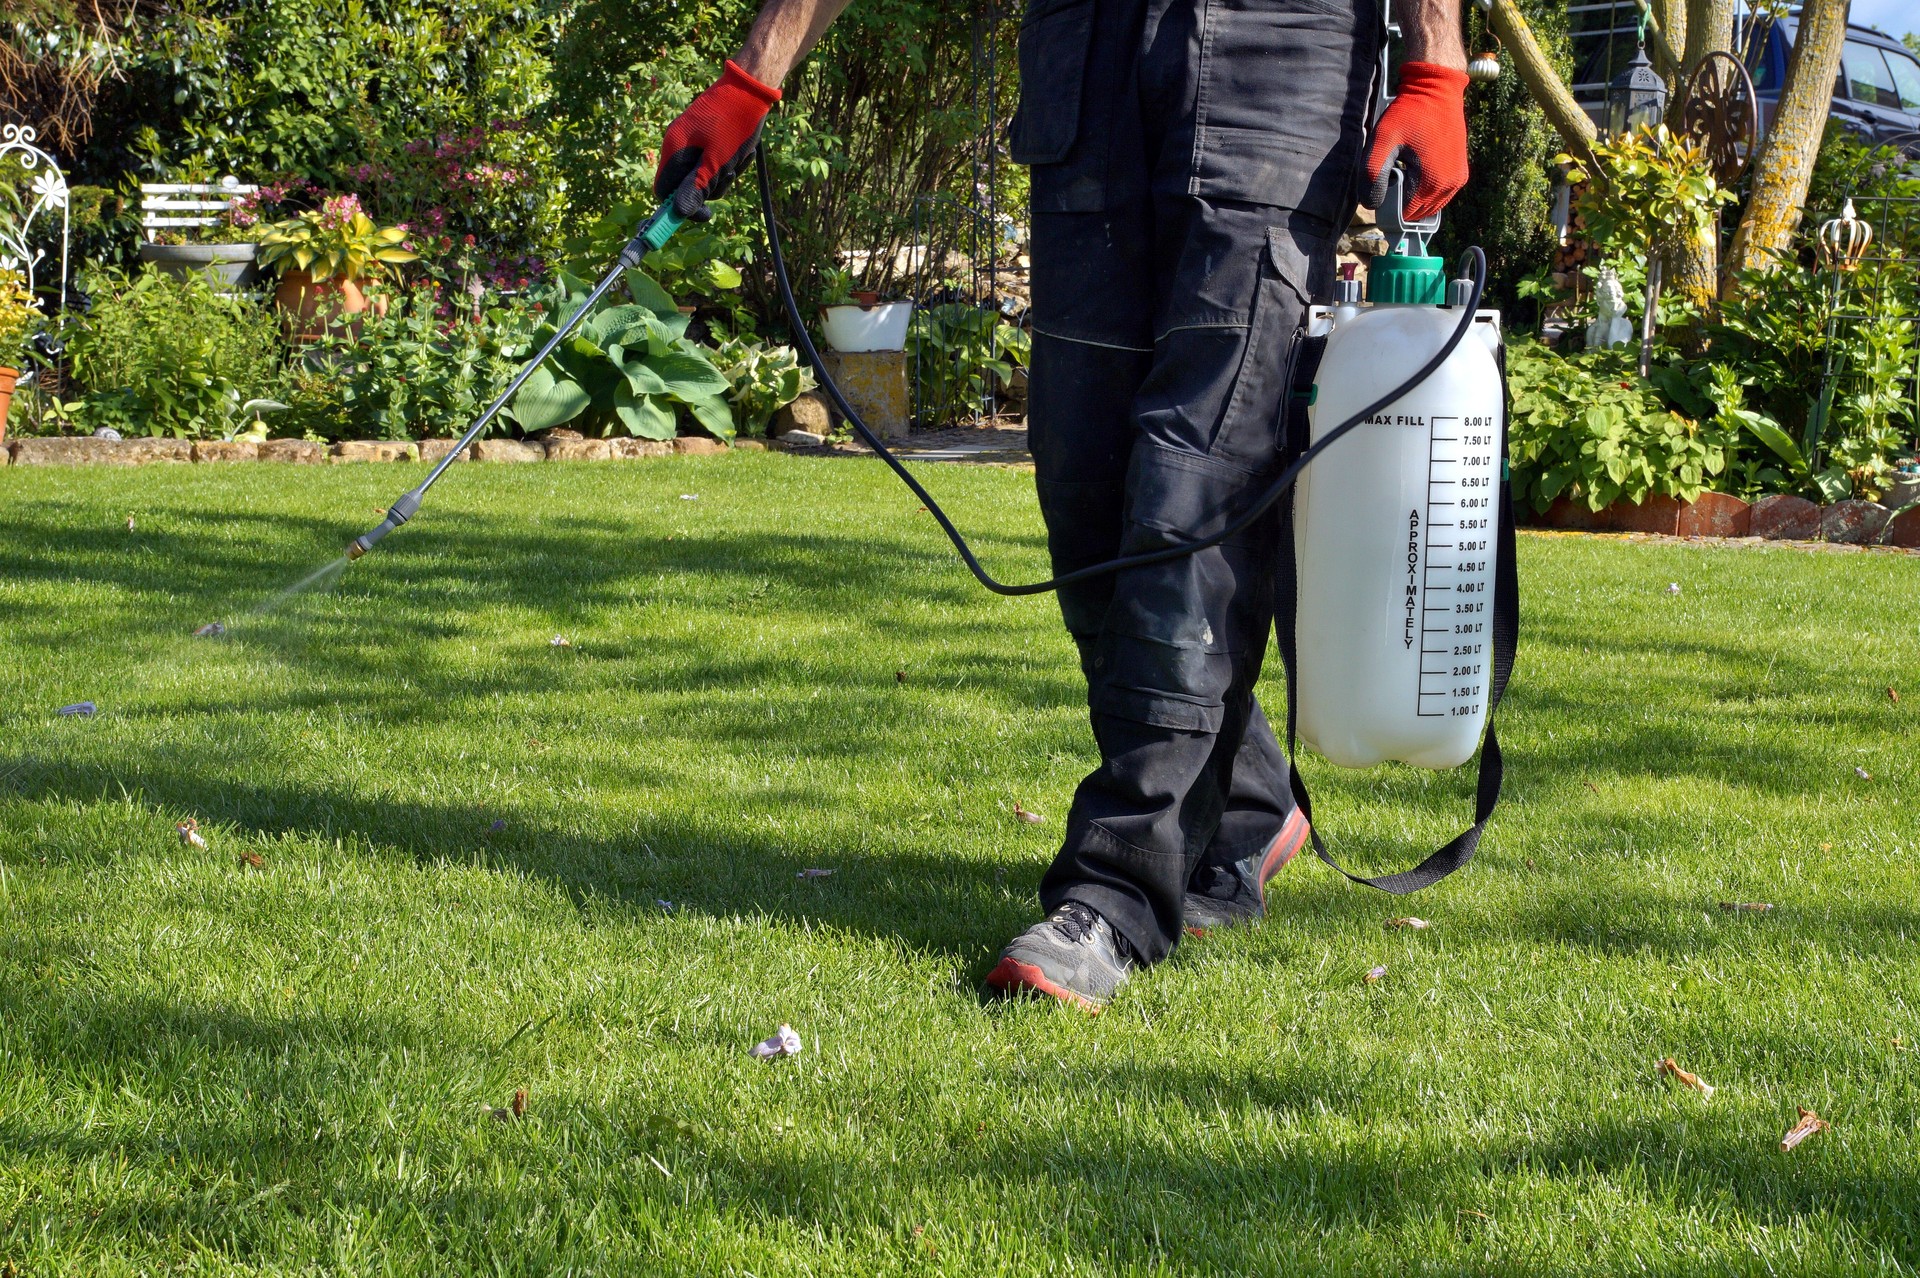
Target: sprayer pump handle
<point x="1393" y="223"/>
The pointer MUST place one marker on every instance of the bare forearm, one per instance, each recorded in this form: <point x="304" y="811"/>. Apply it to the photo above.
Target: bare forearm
<point x="785" y="31"/>
<point x="1431" y="29"/>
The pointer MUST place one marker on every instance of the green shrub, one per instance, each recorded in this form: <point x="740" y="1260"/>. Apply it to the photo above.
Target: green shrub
<point x="1591" y="429"/>
<point x="627" y="367"/>
<point x="1505" y="208"/>
<point x="958" y="353"/>
<point x="761" y="379"/>
<point x="420" y="371"/>
<point x="417" y="104"/>
<point x="163" y="356"/>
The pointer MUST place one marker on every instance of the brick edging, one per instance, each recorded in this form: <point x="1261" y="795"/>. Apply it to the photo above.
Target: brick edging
<point x="1777" y="517"/>
<point x="84" y="450"/>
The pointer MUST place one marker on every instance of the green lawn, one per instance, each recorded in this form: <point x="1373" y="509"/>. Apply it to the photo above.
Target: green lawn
<point x="467" y="834"/>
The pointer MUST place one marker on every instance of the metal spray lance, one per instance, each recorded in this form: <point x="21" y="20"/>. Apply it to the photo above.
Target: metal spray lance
<point x="653" y="233"/>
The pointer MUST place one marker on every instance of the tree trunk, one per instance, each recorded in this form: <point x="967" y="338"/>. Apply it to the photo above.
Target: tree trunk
<point x="1536" y="71"/>
<point x="1696" y="266"/>
<point x="1785" y="163"/>
<point x="1670" y="22"/>
<point x="1709" y="29"/>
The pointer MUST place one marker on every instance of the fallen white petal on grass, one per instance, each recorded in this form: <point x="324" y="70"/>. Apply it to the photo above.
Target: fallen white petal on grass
<point x="784" y="1043"/>
<point x="1809" y="1123"/>
<point x="1374" y="975"/>
<point x="689" y="496"/>
<point x="212" y="630"/>
<point x="813" y="874"/>
<point x="1863" y="774"/>
<point x="189" y="832"/>
<point x="559" y="641"/>
<point x="1409" y="922"/>
<point x="81" y="709"/>
<point x="1698" y="1084"/>
<point x="1673" y="587"/>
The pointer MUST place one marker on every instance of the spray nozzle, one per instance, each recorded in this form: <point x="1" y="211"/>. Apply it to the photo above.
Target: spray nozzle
<point x="399" y="513"/>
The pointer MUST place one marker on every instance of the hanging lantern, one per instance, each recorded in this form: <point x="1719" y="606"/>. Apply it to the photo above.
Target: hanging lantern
<point x="1485" y="67"/>
<point x="1636" y="98"/>
<point x="1844" y="240"/>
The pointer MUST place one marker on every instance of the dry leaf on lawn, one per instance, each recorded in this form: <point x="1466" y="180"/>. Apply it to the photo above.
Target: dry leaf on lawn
<point x="1751" y="907"/>
<point x="1409" y="922"/>
<point x="1698" y="1084"/>
<point x="1031" y="818"/>
<point x="253" y="860"/>
<point x="189" y="832"/>
<point x="1809" y="1123"/>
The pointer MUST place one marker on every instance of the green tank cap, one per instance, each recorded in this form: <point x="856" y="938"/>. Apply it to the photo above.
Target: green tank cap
<point x="1407" y="280"/>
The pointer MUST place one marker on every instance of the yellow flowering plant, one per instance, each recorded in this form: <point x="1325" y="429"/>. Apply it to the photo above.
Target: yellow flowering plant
<point x="20" y="316"/>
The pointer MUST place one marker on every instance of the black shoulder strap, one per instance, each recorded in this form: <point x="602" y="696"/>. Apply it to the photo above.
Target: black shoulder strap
<point x="1506" y="632"/>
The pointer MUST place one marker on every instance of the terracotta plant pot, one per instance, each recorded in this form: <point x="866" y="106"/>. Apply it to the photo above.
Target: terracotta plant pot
<point x="8" y="376"/>
<point x="311" y="305"/>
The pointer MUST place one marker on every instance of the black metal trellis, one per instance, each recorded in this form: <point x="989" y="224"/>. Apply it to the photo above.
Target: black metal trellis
<point x="944" y="225"/>
<point x="1893" y="254"/>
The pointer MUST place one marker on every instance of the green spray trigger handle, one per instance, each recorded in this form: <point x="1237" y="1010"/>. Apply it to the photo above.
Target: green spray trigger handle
<point x="653" y="233"/>
<point x="659" y="228"/>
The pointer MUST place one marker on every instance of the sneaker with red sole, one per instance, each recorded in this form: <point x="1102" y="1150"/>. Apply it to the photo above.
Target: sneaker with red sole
<point x="1072" y="955"/>
<point x="1229" y="895"/>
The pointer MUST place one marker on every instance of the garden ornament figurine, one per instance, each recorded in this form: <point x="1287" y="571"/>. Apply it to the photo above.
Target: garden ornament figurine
<point x="1610" y="326"/>
<point x="1192" y="167"/>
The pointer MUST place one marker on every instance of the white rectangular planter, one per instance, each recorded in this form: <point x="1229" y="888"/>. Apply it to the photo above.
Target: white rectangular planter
<point x="881" y="327"/>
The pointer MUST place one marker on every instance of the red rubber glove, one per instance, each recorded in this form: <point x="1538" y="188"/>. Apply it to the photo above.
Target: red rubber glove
<point x="705" y="148"/>
<point x="1425" y="129"/>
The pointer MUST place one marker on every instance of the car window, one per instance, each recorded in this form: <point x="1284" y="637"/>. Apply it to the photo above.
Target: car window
<point x="1906" y="78"/>
<point x="1867" y="76"/>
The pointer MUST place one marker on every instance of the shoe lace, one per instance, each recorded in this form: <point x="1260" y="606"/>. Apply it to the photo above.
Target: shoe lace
<point x="1074" y="921"/>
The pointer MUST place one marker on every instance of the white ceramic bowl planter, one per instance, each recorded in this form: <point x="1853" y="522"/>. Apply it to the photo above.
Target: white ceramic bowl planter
<point x="881" y="326"/>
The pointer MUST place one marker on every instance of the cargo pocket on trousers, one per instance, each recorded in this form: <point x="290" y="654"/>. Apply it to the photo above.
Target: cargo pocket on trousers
<point x="1250" y="428"/>
<point x="1056" y="37"/>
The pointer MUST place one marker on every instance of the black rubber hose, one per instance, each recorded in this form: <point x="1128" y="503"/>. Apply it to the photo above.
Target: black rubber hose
<point x="1268" y="497"/>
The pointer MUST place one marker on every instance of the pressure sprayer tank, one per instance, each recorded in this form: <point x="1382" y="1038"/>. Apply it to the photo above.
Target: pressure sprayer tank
<point x="1394" y="527"/>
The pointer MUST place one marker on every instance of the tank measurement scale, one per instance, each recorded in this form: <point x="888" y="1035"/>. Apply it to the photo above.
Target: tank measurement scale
<point x="1450" y="586"/>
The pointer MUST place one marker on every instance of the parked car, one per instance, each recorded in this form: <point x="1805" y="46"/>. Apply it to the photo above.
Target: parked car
<point x="1876" y="94"/>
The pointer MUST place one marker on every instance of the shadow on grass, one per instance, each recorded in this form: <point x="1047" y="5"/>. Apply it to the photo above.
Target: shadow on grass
<point x="1236" y="1147"/>
<point x="375" y="654"/>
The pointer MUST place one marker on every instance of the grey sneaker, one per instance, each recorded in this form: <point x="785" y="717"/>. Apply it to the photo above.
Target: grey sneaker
<point x="1073" y="955"/>
<point x="1225" y="895"/>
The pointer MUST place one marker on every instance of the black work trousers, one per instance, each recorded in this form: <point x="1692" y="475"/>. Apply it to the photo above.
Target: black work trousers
<point x="1193" y="163"/>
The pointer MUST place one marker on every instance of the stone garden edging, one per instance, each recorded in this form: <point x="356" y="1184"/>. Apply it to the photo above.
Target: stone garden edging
<point x="84" y="450"/>
<point x="1778" y="517"/>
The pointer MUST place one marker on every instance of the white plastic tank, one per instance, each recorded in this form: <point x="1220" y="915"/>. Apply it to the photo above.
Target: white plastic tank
<point x="1394" y="536"/>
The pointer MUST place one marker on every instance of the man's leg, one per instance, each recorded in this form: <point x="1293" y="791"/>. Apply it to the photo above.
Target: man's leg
<point x="1227" y="251"/>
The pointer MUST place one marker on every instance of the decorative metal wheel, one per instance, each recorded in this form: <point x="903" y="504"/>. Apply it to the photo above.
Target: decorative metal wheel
<point x="1718" y="110"/>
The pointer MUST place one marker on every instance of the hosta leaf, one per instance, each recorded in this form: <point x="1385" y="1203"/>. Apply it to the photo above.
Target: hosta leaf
<point x="714" y="415"/>
<point x="642" y="288"/>
<point x="546" y="400"/>
<point x="648" y="416"/>
<point x="641" y="375"/>
<point x="688" y="376"/>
